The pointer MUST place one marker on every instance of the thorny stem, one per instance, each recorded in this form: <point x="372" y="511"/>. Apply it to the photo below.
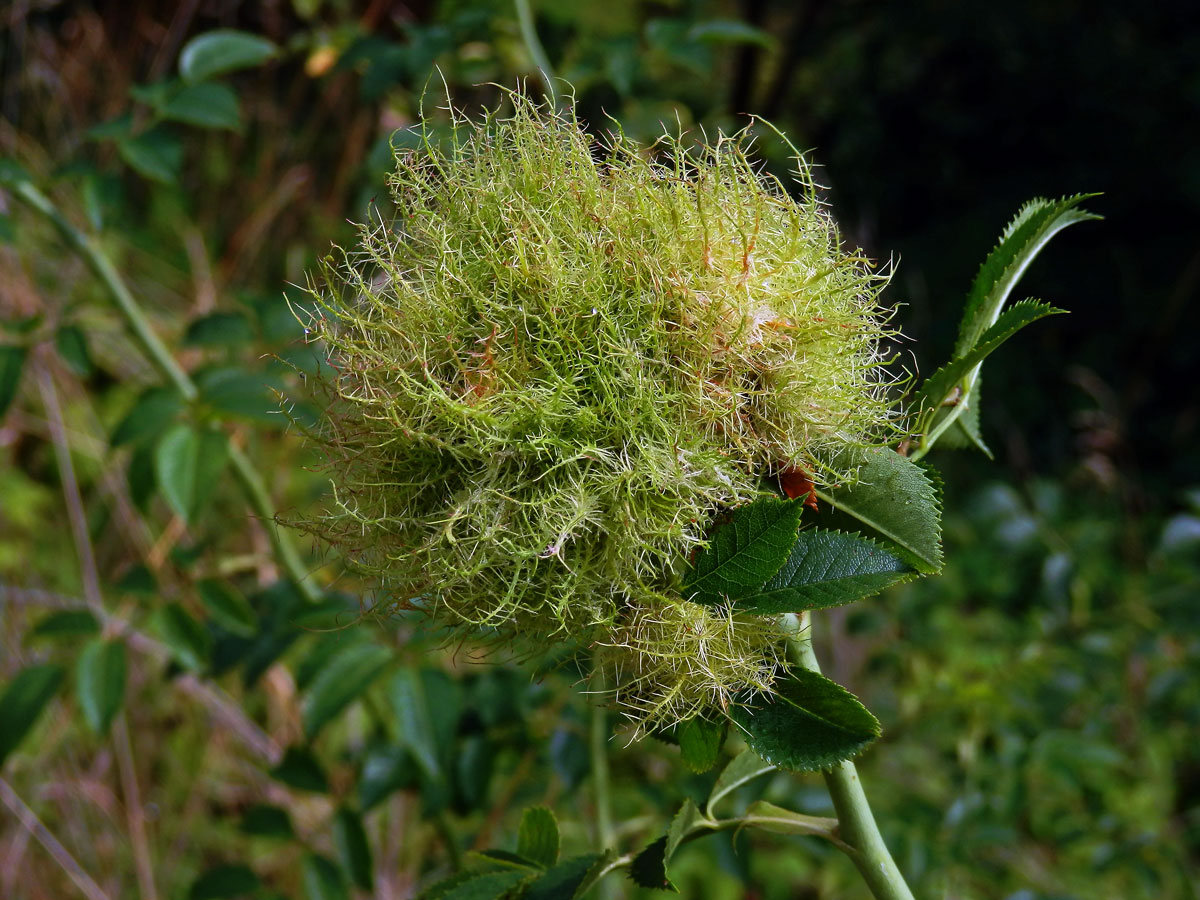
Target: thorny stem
<point x="856" y="824"/>
<point x="243" y="469"/>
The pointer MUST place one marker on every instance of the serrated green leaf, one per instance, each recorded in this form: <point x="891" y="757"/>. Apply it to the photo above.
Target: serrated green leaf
<point x="12" y="362"/>
<point x="649" y="868"/>
<point x="156" y="154"/>
<point x="744" y="551"/>
<point x="1035" y="224"/>
<point x="567" y="880"/>
<point x="896" y="502"/>
<point x="227" y="607"/>
<point x="826" y="568"/>
<point x="322" y="880"/>
<point x="23" y="701"/>
<point x="350" y="838"/>
<point x="688" y="820"/>
<point x="700" y="742"/>
<point x="537" y="839"/>
<point x="188" y="641"/>
<point x="956" y="375"/>
<point x="187" y="464"/>
<point x="100" y="682"/>
<point x="808" y="723"/>
<point x="150" y="415"/>
<point x="742" y="769"/>
<point x="476" y="886"/>
<point x="205" y="105"/>
<point x="262" y="820"/>
<point x="964" y="431"/>
<point x="224" y="50"/>
<point x="223" y="882"/>
<point x="72" y="347"/>
<point x="66" y="623"/>
<point x="300" y="769"/>
<point x="341" y="682"/>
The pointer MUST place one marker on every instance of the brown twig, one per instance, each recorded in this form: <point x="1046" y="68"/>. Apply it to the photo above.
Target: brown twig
<point x="34" y="826"/>
<point x="77" y="519"/>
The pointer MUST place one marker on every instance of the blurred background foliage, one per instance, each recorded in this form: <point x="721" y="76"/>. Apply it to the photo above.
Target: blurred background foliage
<point x="183" y="723"/>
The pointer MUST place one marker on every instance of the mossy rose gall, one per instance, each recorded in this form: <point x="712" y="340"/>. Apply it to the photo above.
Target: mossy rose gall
<point x="563" y="359"/>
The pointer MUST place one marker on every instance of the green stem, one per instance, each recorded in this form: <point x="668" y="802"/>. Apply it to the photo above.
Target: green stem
<point x="598" y="747"/>
<point x="536" y="51"/>
<point x="856" y="824"/>
<point x="252" y="484"/>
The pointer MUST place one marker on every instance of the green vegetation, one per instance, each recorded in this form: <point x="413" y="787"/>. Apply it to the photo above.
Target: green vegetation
<point x="197" y="702"/>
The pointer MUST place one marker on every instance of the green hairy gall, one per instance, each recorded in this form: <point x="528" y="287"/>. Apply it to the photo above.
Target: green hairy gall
<point x="563" y="359"/>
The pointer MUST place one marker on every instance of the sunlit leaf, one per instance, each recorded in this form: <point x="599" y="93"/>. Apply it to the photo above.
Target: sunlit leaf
<point x="224" y="50"/>
<point x="1038" y="221"/>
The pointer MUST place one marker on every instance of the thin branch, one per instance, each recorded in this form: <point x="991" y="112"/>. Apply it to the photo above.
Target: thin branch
<point x="28" y="818"/>
<point x="77" y="517"/>
<point x="218" y="703"/>
<point x="243" y="469"/>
